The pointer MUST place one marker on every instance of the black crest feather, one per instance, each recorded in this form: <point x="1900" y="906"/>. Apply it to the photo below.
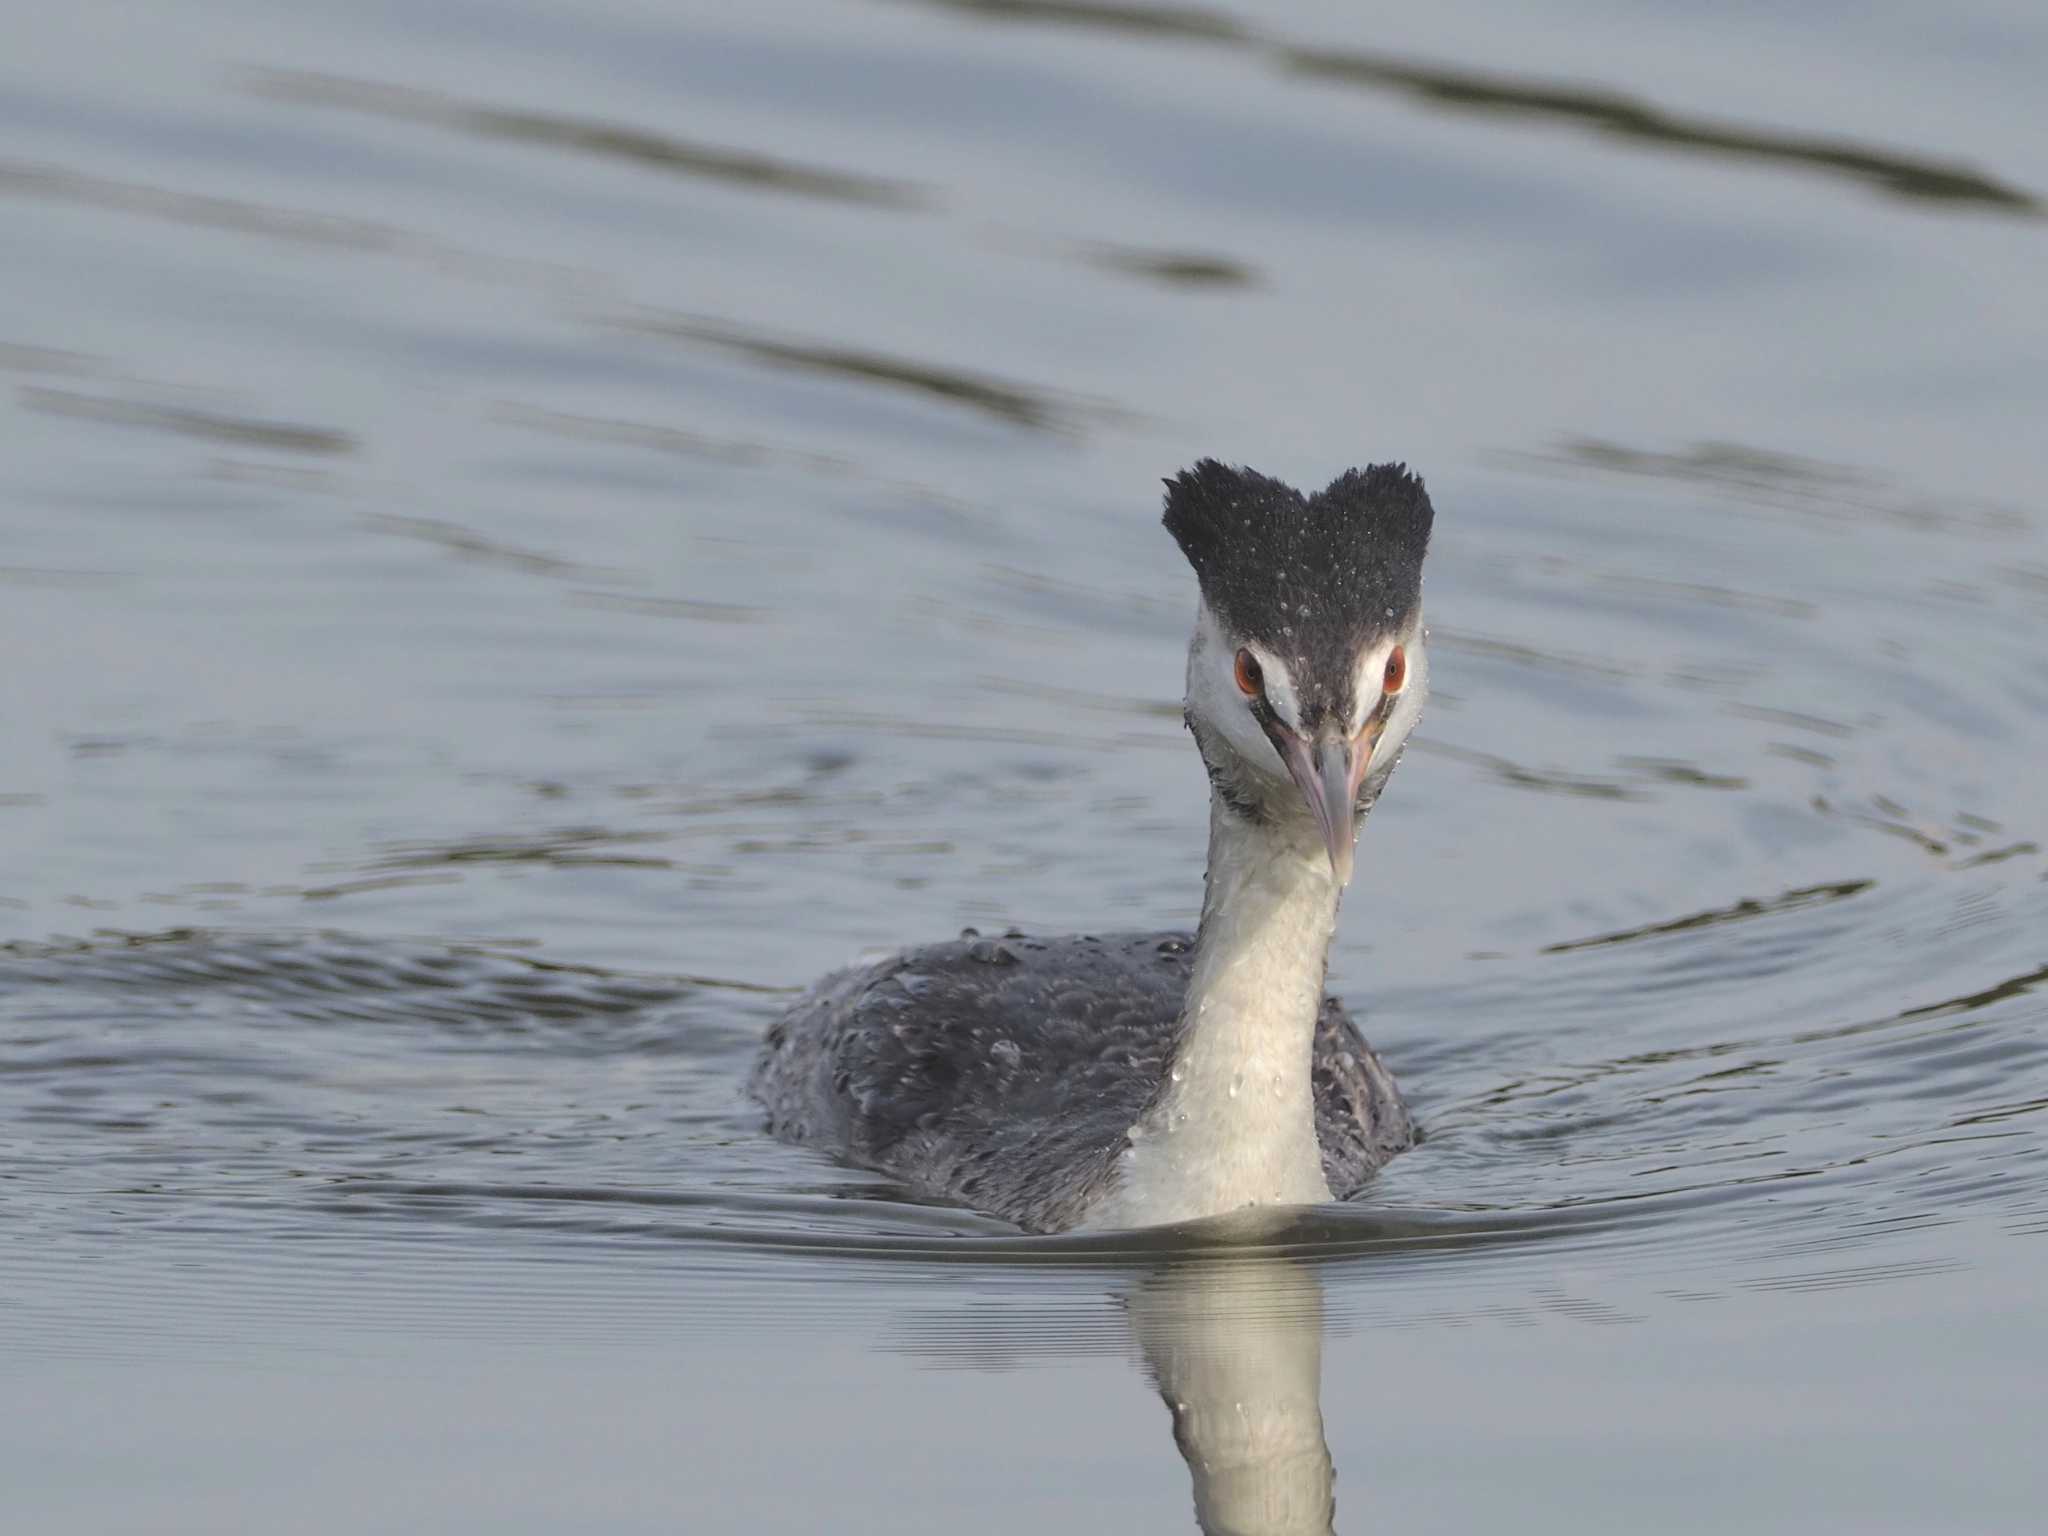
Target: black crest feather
<point x="1311" y="578"/>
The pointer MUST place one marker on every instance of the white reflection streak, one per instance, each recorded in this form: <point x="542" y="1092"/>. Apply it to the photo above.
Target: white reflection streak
<point x="1235" y="1347"/>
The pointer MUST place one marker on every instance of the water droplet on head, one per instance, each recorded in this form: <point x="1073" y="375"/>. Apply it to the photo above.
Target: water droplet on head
<point x="1302" y="611"/>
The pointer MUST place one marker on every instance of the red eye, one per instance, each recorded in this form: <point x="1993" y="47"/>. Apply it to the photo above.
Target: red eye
<point x="1250" y="680"/>
<point x="1397" y="671"/>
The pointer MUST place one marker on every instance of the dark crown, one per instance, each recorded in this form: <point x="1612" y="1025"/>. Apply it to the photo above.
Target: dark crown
<point x="1312" y="578"/>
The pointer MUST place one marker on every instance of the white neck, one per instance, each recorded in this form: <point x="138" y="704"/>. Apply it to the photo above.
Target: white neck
<point x="1235" y="1125"/>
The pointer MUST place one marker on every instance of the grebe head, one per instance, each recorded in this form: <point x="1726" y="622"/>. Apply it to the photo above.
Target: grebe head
<point x="1308" y="667"/>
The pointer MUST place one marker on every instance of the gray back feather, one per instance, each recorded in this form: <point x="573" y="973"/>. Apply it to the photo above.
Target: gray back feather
<point x="1004" y="1073"/>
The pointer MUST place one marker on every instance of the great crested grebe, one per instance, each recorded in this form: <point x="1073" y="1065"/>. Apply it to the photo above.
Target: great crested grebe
<point x="1137" y="1079"/>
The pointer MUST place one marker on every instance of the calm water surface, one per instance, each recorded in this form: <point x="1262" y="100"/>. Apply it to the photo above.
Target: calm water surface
<point x="528" y="531"/>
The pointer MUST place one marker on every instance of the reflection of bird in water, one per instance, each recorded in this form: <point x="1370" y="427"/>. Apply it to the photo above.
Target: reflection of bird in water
<point x="1136" y="1079"/>
<point x="1235" y="1347"/>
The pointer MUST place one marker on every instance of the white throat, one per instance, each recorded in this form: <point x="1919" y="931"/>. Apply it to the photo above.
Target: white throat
<point x="1235" y="1124"/>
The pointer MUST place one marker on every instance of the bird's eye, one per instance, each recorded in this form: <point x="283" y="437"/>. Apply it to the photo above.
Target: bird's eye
<point x="1397" y="671"/>
<point x="1250" y="679"/>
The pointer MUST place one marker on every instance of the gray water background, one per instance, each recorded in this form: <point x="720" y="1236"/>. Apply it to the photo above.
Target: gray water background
<point x="529" y="530"/>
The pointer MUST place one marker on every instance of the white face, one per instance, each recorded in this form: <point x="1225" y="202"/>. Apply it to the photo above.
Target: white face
<point x="1216" y="698"/>
<point x="1408" y="674"/>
